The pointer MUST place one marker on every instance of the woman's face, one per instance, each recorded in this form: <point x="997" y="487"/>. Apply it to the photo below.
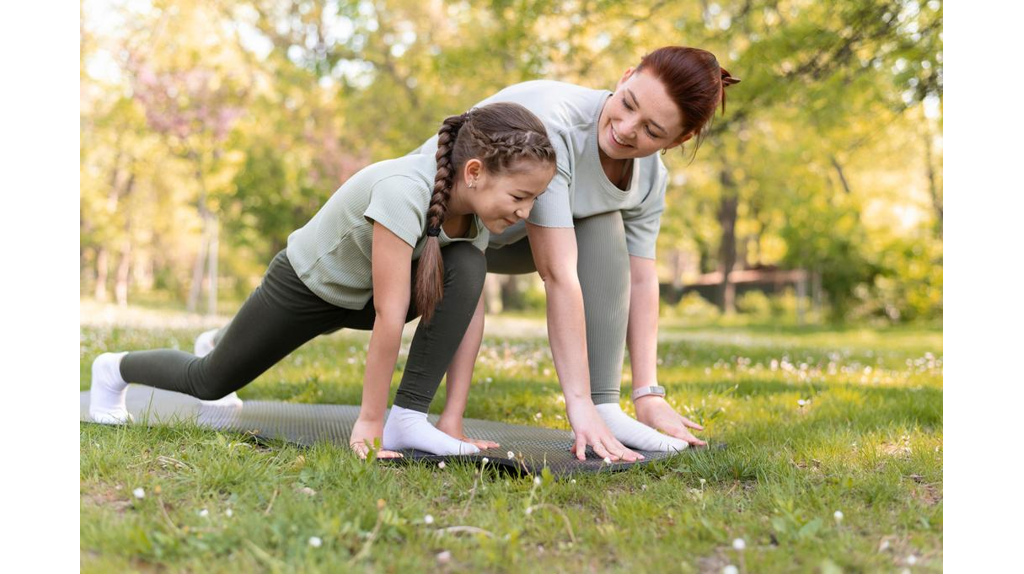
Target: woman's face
<point x="503" y="199"/>
<point x="639" y="119"/>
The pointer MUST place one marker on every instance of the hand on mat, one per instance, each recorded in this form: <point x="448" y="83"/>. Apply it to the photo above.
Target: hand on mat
<point x="590" y="430"/>
<point x="454" y="429"/>
<point x="364" y="435"/>
<point x="655" y="412"/>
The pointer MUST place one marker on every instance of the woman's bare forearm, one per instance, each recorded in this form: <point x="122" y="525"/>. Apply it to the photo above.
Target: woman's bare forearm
<point x="385" y="341"/>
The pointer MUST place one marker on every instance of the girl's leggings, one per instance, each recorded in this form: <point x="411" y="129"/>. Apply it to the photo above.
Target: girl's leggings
<point x="282" y="314"/>
<point x="603" y="269"/>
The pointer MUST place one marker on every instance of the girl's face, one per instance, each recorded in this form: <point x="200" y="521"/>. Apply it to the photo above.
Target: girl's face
<point x="503" y="199"/>
<point x="639" y="119"/>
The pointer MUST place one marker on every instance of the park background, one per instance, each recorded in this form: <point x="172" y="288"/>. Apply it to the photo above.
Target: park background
<point x="800" y="259"/>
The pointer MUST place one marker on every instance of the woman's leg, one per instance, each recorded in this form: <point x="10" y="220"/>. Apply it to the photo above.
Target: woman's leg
<point x="604" y="272"/>
<point x="278" y="317"/>
<point x="433" y="347"/>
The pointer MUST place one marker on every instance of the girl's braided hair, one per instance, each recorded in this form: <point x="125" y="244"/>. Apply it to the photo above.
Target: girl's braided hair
<point x="504" y="137"/>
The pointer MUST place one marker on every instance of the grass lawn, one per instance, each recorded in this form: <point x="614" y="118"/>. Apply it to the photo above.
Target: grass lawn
<point x="816" y="421"/>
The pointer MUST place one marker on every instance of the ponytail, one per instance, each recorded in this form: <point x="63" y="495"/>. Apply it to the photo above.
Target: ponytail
<point x="430" y="273"/>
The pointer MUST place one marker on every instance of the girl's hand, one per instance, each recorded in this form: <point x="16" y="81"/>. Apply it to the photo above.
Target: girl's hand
<point x="656" y="413"/>
<point x="453" y="428"/>
<point x="364" y="434"/>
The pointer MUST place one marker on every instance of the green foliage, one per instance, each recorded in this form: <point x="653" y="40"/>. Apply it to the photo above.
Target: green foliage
<point x="260" y="109"/>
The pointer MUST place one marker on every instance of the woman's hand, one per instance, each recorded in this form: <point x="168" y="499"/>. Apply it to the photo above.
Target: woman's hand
<point x="655" y="412"/>
<point x="590" y="429"/>
<point x="452" y="426"/>
<point x="364" y="435"/>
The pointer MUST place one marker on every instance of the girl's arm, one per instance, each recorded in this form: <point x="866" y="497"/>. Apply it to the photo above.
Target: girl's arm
<point x="391" y="263"/>
<point x="460" y="376"/>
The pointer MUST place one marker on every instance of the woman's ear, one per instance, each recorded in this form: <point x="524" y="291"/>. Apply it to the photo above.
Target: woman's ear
<point x="681" y="139"/>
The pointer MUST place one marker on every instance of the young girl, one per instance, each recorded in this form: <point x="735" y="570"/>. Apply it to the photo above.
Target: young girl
<point x="592" y="238"/>
<point x="399" y="239"/>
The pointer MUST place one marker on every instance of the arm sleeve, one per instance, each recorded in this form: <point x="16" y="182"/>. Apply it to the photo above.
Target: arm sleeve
<point x="553" y="208"/>
<point x="644" y="221"/>
<point x="400" y="204"/>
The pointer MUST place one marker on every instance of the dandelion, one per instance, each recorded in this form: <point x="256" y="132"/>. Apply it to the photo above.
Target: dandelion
<point x="204" y="513"/>
<point x="486" y="460"/>
<point x="573" y="481"/>
<point x="702" y="481"/>
<point x="229" y="513"/>
<point x="444" y="557"/>
<point x="801" y="402"/>
<point x="139" y="493"/>
<point x="511" y="454"/>
<point x="730" y="569"/>
<point x="441" y="464"/>
<point x="739" y="544"/>
<point x="315" y="541"/>
<point x="838" y="515"/>
<point x="428" y="519"/>
<point x="537" y="416"/>
<point x="536" y="480"/>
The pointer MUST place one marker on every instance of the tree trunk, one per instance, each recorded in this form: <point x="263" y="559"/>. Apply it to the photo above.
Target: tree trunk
<point x="197" y="273"/>
<point x="933" y="188"/>
<point x="727" y="212"/>
<point x="102" y="257"/>
<point x="123" y="268"/>
<point x="212" y="251"/>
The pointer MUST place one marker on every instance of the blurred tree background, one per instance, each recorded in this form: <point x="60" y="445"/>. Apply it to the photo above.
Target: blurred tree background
<point x="210" y="129"/>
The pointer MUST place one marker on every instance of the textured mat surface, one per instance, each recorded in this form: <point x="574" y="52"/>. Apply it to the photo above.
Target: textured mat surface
<point x="305" y="424"/>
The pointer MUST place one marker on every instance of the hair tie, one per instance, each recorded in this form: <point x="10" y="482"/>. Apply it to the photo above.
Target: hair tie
<point x="433" y="231"/>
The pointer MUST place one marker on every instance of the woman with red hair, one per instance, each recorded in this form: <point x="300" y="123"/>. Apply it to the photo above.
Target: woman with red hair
<point x="592" y="237"/>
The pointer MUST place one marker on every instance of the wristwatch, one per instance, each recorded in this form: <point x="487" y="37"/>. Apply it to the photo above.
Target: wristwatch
<point x="651" y="390"/>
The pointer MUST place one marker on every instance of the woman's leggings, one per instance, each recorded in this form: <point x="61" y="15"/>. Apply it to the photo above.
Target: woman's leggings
<point x="282" y="314"/>
<point x="603" y="269"/>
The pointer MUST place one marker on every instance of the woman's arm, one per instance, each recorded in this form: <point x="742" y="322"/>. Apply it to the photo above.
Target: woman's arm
<point x="554" y="254"/>
<point x="391" y="263"/>
<point x="642" y="340"/>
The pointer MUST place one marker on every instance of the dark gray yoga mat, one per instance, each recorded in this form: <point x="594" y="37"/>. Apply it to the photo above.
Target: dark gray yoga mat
<point x="305" y="424"/>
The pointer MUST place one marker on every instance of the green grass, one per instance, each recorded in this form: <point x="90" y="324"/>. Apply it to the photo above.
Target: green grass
<point x="868" y="443"/>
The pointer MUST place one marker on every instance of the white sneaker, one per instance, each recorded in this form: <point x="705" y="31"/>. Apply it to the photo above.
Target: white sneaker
<point x="108" y="390"/>
<point x="204" y="346"/>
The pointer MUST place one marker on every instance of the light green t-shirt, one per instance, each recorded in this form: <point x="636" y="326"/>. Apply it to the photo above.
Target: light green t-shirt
<point x="332" y="253"/>
<point x="580" y="187"/>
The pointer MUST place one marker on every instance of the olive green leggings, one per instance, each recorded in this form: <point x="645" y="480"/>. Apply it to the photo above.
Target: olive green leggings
<point x="282" y="314"/>
<point x="603" y="269"/>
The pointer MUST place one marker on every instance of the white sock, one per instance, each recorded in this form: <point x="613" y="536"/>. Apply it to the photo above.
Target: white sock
<point x="635" y="434"/>
<point x="204" y="346"/>
<point x="106" y="395"/>
<point x="407" y="428"/>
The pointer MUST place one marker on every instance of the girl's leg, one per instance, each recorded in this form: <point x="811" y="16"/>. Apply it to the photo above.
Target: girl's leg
<point x="433" y="347"/>
<point x="603" y="268"/>
<point x="278" y="317"/>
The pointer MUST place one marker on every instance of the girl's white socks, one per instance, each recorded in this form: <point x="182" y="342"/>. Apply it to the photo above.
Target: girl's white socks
<point x="407" y="428"/>
<point x="106" y="395"/>
<point x="635" y="434"/>
<point x="204" y="346"/>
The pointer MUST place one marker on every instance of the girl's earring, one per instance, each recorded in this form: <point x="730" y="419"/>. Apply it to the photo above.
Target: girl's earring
<point x="664" y="151"/>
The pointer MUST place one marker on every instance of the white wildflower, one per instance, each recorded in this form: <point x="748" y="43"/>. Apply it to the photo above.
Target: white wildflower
<point x="739" y="544"/>
<point x="444" y="557"/>
<point x="441" y="464"/>
<point x="536" y="480"/>
<point x="229" y="513"/>
<point x="204" y="513"/>
<point x="428" y="519"/>
<point x="730" y="569"/>
<point x="486" y="460"/>
<point x="511" y="454"/>
<point x="607" y="460"/>
<point x="838" y="515"/>
<point x="139" y="493"/>
<point x="911" y="559"/>
<point x="315" y="541"/>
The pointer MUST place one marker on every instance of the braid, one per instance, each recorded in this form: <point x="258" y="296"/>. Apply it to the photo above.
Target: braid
<point x="430" y="273"/>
